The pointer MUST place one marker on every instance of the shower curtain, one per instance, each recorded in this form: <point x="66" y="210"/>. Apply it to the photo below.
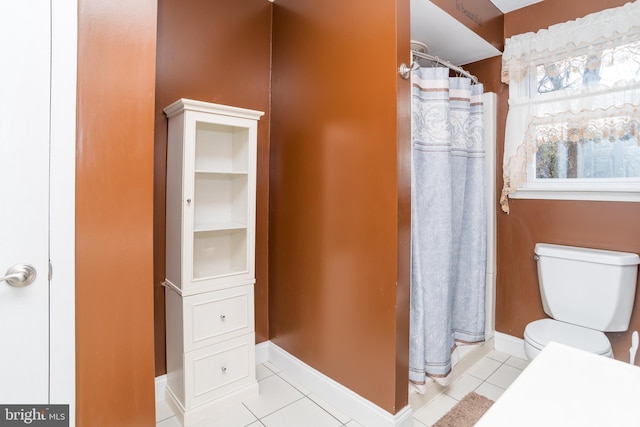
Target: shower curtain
<point x="448" y="261"/>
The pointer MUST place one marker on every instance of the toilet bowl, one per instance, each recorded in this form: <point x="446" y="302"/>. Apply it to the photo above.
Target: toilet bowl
<point x="539" y="333"/>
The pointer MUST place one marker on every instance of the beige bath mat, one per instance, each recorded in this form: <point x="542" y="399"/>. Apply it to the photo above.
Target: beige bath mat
<point x="466" y="413"/>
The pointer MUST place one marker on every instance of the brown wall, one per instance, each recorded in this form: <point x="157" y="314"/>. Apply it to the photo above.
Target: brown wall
<point x="216" y="51"/>
<point x="339" y="214"/>
<point x="114" y="213"/>
<point x="606" y="225"/>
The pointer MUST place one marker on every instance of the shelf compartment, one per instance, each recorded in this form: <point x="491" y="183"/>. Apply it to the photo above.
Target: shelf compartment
<point x="219" y="253"/>
<point x="221" y="148"/>
<point x="220" y="199"/>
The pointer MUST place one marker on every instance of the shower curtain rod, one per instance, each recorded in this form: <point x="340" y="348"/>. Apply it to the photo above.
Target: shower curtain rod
<point x="447" y="64"/>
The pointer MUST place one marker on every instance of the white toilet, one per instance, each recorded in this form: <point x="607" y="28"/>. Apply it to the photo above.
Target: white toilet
<point x="586" y="292"/>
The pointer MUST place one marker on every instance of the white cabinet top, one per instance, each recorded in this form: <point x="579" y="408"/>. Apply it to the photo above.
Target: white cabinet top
<point x="208" y="107"/>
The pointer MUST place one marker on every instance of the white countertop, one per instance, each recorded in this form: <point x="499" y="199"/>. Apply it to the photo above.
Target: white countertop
<point x="567" y="387"/>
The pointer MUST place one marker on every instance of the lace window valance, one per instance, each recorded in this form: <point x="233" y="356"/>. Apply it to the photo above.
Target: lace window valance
<point x="576" y="83"/>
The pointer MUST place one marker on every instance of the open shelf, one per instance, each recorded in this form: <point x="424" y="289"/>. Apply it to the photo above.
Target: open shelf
<point x="219" y="253"/>
<point x="220" y="198"/>
<point x="221" y="148"/>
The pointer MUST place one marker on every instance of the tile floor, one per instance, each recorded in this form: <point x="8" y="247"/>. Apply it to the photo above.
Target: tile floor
<point x="285" y="403"/>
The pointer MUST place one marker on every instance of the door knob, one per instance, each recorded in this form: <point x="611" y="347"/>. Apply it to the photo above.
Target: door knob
<point x="19" y="275"/>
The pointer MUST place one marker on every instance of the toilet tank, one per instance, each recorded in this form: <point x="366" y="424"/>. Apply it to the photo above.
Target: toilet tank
<point x="588" y="287"/>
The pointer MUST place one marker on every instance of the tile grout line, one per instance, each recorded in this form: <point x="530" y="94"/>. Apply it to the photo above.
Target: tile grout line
<point x="335" y="418"/>
<point x="279" y="409"/>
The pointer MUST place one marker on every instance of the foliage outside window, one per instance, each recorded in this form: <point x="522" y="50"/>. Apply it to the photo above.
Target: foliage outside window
<point x="573" y="125"/>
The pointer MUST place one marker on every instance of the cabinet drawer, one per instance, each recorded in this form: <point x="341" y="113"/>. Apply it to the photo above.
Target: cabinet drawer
<point x="215" y="316"/>
<point x="219" y="369"/>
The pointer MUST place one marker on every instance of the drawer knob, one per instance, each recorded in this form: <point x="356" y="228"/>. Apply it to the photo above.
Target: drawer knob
<point x="224" y="370"/>
<point x="222" y="317"/>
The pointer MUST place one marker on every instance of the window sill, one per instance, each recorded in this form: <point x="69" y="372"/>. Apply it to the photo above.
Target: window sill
<point x="625" y="194"/>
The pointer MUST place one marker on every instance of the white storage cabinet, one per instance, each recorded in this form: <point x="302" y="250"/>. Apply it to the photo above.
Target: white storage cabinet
<point x="210" y="257"/>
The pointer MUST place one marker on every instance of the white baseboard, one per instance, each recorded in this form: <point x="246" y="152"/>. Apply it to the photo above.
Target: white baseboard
<point x="350" y="403"/>
<point x="262" y="352"/>
<point x="161" y="385"/>
<point x="509" y="344"/>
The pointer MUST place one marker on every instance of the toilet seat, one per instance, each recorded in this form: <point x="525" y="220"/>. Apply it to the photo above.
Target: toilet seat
<point x="540" y="332"/>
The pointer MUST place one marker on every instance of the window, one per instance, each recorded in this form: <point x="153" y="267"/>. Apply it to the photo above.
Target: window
<point x="593" y="149"/>
<point x="573" y="125"/>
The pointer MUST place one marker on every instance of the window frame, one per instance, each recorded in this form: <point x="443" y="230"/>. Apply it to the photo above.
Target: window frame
<point x="588" y="189"/>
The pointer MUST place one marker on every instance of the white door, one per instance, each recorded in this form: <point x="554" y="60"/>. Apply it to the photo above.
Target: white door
<point x="25" y="95"/>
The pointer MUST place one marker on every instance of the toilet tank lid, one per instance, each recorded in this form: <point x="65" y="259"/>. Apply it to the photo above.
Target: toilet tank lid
<point x="600" y="256"/>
